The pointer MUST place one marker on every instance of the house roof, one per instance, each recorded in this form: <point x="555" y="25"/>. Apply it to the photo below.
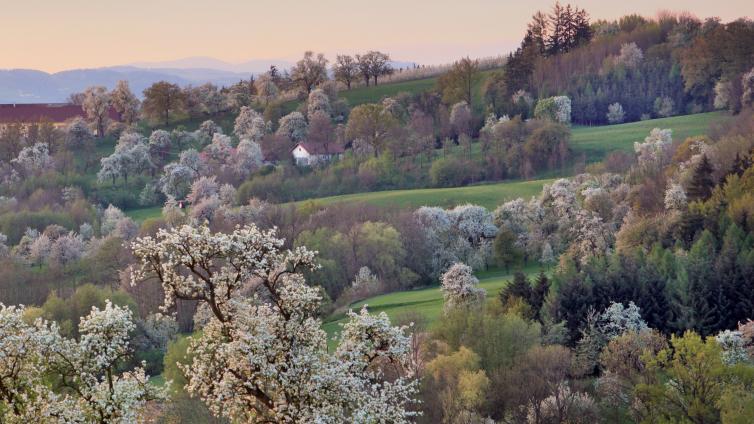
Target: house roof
<point x="36" y="112"/>
<point x="319" y="149"/>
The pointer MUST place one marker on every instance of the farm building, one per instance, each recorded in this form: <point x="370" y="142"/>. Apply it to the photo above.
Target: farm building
<point x="55" y="113"/>
<point x="306" y="154"/>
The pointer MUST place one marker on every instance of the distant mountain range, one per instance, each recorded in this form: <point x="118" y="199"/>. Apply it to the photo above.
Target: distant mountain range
<point x="32" y="86"/>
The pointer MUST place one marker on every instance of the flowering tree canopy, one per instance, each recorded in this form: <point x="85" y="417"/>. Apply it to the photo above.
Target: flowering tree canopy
<point x="262" y="356"/>
<point x="460" y="287"/>
<point x="31" y="353"/>
<point x="249" y="125"/>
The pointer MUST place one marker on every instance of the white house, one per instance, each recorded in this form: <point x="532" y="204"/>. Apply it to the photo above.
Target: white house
<point x="305" y="154"/>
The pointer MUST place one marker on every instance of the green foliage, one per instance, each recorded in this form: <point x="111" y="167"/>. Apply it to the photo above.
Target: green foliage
<point x="452" y="172"/>
<point x="498" y="338"/>
<point x="506" y="253"/>
<point x="67" y="312"/>
<point x="699" y="379"/>
<point x="177" y="354"/>
<point x="14" y="224"/>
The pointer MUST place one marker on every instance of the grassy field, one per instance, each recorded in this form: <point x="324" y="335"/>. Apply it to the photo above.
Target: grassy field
<point x="139" y="215"/>
<point x="487" y="195"/>
<point x="375" y="94"/>
<point x="598" y="142"/>
<point x="593" y="142"/>
<point x="372" y="94"/>
<point x="427" y="302"/>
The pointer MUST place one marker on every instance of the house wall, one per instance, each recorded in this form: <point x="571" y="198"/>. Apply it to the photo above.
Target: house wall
<point x="301" y="156"/>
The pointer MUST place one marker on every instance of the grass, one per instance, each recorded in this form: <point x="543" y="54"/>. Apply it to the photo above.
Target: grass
<point x="487" y="195"/>
<point x="427" y="301"/>
<point x="140" y="215"/>
<point x="597" y="142"/>
<point x="375" y="94"/>
<point x="593" y="142"/>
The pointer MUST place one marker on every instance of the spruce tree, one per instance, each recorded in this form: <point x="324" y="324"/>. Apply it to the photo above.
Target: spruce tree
<point x="704" y="286"/>
<point x="653" y="300"/>
<point x="539" y="293"/>
<point x="519" y="287"/>
<point x="701" y="185"/>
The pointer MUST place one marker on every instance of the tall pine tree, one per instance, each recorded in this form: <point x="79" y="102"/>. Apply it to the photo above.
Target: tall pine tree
<point x="701" y="184"/>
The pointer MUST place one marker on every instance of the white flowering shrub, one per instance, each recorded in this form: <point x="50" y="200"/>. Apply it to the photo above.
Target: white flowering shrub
<point x="34" y="159"/>
<point x="460" y="287"/>
<point x="655" y="146"/>
<point x="202" y="188"/>
<point x="4" y="250"/>
<point x="110" y="218"/>
<point x="630" y="55"/>
<point x="675" y="198"/>
<point x="24" y="349"/>
<point x="249" y="125"/>
<point x="247" y="158"/>
<point x="618" y="319"/>
<point x="747" y="83"/>
<point x="89" y="366"/>
<point x="317" y="102"/>
<point x="77" y="133"/>
<point x="32" y="353"/>
<point x="615" y="113"/>
<point x="556" y="109"/>
<point x="461" y="234"/>
<point x="733" y="345"/>
<point x="293" y="126"/>
<point x="262" y="356"/>
<point x="723" y="94"/>
<point x="67" y="249"/>
<point x="664" y="107"/>
<point x="460" y="118"/>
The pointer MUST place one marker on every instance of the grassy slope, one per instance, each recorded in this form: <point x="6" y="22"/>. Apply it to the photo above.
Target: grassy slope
<point x="487" y="195"/>
<point x="597" y="142"/>
<point x="594" y="142"/>
<point x="427" y="301"/>
<point x="375" y="94"/>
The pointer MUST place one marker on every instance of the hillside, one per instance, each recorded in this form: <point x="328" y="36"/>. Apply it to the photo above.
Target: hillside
<point x="596" y="142"/>
<point x="593" y="142"/>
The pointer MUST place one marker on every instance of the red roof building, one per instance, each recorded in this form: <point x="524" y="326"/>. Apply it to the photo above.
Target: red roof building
<point x="56" y="113"/>
<point x="310" y="153"/>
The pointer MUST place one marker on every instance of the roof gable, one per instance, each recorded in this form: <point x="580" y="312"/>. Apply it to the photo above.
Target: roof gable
<point x="320" y="149"/>
<point x="52" y="112"/>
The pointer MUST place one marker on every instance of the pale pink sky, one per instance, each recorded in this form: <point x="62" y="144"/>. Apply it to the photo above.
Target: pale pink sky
<point x="53" y="35"/>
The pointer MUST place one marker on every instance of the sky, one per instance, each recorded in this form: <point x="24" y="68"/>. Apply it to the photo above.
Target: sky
<point x="55" y="35"/>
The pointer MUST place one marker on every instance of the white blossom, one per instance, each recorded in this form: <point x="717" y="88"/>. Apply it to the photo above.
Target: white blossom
<point x="249" y="125"/>
<point x="675" y="198"/>
<point x="630" y="55"/>
<point x="262" y="356"/>
<point x="615" y="113"/>
<point x="293" y="126"/>
<point x="318" y="101"/>
<point x="34" y="159"/>
<point x="733" y="345"/>
<point x="460" y="287"/>
<point x="655" y="146"/>
<point x="617" y="320"/>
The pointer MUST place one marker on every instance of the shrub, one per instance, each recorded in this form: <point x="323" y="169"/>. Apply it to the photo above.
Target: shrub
<point x="451" y="172"/>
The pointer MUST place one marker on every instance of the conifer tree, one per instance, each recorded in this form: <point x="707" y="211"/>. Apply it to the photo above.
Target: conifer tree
<point x="701" y="185"/>
<point x="519" y="287"/>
